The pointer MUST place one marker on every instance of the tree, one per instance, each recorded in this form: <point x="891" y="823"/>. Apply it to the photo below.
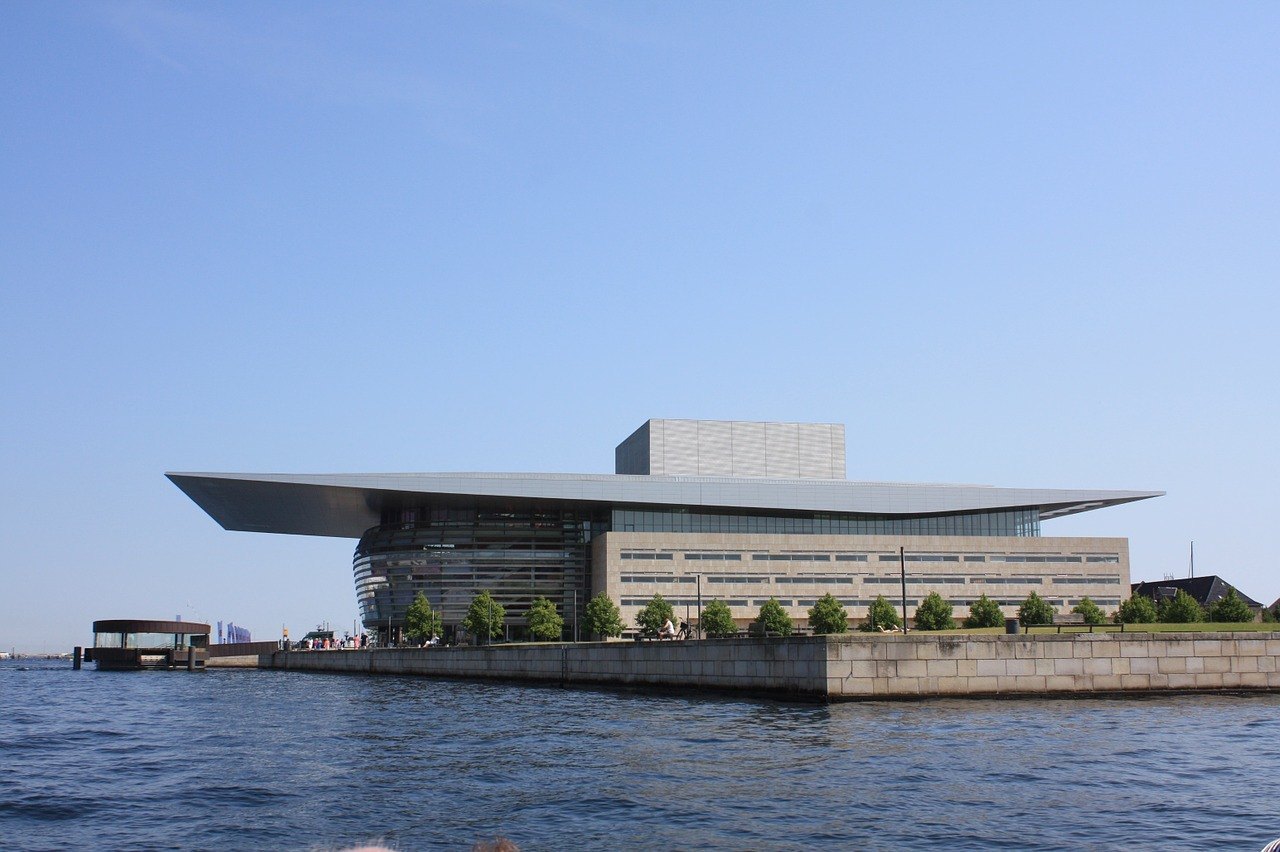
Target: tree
<point x="484" y="617"/>
<point x="773" y="618"/>
<point x="828" y="616"/>
<point x="717" y="621"/>
<point x="654" y="615"/>
<point x="1138" y="609"/>
<point x="934" y="613"/>
<point x="545" y="623"/>
<point x="984" y="612"/>
<point x="1181" y="609"/>
<point x="1035" y="610"/>
<point x="882" y="616"/>
<point x="602" y="617"/>
<point x="1091" y="612"/>
<point x="1230" y="608"/>
<point x="421" y="622"/>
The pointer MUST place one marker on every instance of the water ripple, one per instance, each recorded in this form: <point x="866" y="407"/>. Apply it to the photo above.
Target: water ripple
<point x="250" y="760"/>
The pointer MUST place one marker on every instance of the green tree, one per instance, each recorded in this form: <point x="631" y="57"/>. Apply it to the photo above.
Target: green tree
<point x="654" y="615"/>
<point x="602" y="617"/>
<point x="934" y="613"/>
<point x="984" y="612"/>
<point x="1230" y="608"/>
<point x="773" y="618"/>
<point x="1035" y="610"/>
<point x="1271" y="615"/>
<point x="421" y="622"/>
<point x="1091" y="612"/>
<point x="485" y="617"/>
<point x="545" y="623"/>
<point x="882" y="616"/>
<point x="1181" y="609"/>
<point x="717" y="621"/>
<point x="1138" y="609"/>
<point x="828" y="616"/>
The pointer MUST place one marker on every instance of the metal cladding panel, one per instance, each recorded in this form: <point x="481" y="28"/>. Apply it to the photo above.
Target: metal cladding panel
<point x="715" y="448"/>
<point x="748" y="449"/>
<point x="632" y="455"/>
<point x="347" y="504"/>
<point x="813" y="448"/>
<point x="782" y="450"/>
<point x="680" y="448"/>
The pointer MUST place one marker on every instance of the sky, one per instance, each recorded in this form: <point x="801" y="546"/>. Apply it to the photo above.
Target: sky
<point x="1026" y="245"/>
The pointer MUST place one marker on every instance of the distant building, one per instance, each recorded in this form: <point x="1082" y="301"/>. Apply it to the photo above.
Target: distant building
<point x="697" y="510"/>
<point x="1206" y="590"/>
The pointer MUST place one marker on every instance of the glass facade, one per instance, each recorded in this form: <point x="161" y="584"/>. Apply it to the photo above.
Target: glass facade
<point x="452" y="554"/>
<point x="1019" y="522"/>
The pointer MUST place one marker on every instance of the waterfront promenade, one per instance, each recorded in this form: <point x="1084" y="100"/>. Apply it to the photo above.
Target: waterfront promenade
<point x="848" y="667"/>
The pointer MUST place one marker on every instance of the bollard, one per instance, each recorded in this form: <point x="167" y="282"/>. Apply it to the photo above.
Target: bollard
<point x="76" y="657"/>
<point x="1011" y="625"/>
<point x="191" y="658"/>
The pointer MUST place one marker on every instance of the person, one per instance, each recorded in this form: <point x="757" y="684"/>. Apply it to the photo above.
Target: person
<point x="668" y="630"/>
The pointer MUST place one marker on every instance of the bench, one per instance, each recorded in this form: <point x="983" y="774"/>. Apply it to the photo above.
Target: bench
<point x="757" y="631"/>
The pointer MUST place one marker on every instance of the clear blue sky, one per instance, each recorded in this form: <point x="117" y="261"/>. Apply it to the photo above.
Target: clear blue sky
<point x="1023" y="244"/>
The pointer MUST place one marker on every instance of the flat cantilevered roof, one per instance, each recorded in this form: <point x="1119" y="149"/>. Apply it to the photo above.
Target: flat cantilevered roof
<point x="347" y="504"/>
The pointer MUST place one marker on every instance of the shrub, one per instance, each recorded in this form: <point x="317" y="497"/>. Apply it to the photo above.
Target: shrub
<point x="654" y="615"/>
<point x="1230" y="608"/>
<point x="1181" y="609"/>
<point x="773" y="618"/>
<point x="1271" y="615"/>
<point x="545" y="623"/>
<point x="828" y="616"/>
<point x="717" y="621"/>
<point x="485" y="617"/>
<point x="984" y="612"/>
<point x="602" y="618"/>
<point x="1091" y="612"/>
<point x="934" y="613"/>
<point x="1138" y="609"/>
<point x="881" y="616"/>
<point x="421" y="622"/>
<point x="1035" y="610"/>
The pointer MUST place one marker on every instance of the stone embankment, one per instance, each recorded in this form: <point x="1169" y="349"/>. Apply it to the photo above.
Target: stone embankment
<point x="852" y="667"/>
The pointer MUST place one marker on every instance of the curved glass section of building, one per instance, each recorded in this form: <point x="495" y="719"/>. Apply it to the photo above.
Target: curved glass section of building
<point x="452" y="554"/>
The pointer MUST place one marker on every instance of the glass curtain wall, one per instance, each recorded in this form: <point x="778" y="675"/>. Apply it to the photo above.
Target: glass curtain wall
<point x="1020" y="522"/>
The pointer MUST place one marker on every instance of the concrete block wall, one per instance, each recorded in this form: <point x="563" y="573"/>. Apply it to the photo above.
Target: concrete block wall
<point x="792" y="667"/>
<point x="923" y="665"/>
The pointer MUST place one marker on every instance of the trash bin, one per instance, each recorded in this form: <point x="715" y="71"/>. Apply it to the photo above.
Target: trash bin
<point x="1011" y="625"/>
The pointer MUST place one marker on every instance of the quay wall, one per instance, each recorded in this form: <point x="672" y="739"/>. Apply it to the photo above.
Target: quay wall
<point x="854" y="666"/>
<point x="1039" y="664"/>
<point x="787" y="666"/>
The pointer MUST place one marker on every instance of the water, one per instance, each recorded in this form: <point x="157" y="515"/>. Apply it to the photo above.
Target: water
<point x="234" y="760"/>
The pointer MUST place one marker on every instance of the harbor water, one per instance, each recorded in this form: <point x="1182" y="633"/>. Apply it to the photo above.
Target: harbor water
<point x="242" y="759"/>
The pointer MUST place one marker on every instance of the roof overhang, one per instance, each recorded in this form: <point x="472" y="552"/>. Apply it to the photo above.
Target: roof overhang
<point x="345" y="505"/>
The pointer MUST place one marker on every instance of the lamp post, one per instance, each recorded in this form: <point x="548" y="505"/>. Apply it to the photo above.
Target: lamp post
<point x="902" y="564"/>
<point x="699" y="576"/>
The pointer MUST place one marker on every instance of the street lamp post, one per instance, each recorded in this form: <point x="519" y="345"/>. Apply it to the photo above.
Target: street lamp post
<point x="902" y="564"/>
<point x="699" y="576"/>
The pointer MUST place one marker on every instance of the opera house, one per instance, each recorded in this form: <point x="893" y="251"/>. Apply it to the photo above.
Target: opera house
<point x="696" y="510"/>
